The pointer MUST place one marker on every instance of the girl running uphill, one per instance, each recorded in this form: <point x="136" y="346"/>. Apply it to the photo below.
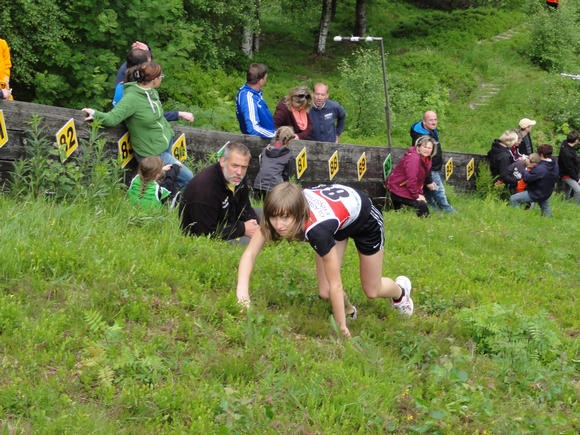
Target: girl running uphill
<point x="326" y="216"/>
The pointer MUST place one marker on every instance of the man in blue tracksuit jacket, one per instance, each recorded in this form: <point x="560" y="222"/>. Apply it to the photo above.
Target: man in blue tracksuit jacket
<point x="327" y="116"/>
<point x="251" y="109"/>
<point x="428" y="127"/>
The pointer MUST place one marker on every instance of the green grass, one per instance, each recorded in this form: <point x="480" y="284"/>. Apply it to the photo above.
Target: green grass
<point x="111" y="321"/>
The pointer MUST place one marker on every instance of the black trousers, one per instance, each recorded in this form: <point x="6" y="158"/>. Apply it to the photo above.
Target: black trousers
<point x="421" y="206"/>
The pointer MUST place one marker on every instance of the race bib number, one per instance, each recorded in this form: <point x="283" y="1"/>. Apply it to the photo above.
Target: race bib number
<point x="448" y="169"/>
<point x="333" y="165"/>
<point x="470" y="169"/>
<point x="301" y="163"/>
<point x="125" y="150"/>
<point x="361" y="166"/>
<point x="387" y="166"/>
<point x="66" y="140"/>
<point x="179" y="148"/>
<point x="3" y="133"/>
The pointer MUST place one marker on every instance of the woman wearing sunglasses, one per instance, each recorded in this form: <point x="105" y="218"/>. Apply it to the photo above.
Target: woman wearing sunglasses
<point x="292" y="111"/>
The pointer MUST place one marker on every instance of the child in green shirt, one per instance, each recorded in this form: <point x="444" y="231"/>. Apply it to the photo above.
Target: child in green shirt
<point x="145" y="190"/>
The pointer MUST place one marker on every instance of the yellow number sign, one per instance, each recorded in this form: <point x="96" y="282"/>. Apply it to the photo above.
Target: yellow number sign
<point x="66" y="140"/>
<point x="179" y="148"/>
<point x="301" y="163"/>
<point x="3" y="133"/>
<point x="361" y="165"/>
<point x="470" y="168"/>
<point x="333" y="165"/>
<point x="448" y="168"/>
<point x="125" y="150"/>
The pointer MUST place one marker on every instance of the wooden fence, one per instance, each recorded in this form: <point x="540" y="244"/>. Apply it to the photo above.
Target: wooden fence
<point x="347" y="166"/>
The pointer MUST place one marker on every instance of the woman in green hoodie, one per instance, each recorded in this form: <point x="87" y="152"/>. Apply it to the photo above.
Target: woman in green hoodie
<point x="141" y="110"/>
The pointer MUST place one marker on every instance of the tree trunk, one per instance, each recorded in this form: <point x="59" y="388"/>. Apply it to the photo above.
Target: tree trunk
<point x="247" y="41"/>
<point x="323" y="28"/>
<point x="360" y="24"/>
<point x="251" y="31"/>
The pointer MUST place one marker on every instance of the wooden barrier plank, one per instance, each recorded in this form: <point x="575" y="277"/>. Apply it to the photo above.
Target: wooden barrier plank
<point x="200" y="143"/>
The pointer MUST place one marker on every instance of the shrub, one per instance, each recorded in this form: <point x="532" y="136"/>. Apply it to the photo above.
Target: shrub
<point x="509" y="334"/>
<point x="90" y="173"/>
<point x="554" y="38"/>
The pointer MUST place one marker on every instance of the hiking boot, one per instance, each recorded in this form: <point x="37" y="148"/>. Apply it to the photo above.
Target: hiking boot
<point x="405" y="305"/>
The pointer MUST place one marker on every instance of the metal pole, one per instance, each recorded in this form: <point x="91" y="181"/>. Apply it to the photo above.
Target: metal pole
<point x="387" y="105"/>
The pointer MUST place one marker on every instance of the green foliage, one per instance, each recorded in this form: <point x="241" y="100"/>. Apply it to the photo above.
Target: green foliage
<point x="486" y="187"/>
<point x="511" y="335"/>
<point x="555" y="38"/>
<point x="94" y="173"/>
<point x="361" y="75"/>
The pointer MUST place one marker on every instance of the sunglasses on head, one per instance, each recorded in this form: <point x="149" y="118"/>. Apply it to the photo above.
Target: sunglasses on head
<point x="307" y="96"/>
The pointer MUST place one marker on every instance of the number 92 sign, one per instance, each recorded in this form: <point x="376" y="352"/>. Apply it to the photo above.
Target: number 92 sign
<point x="66" y="140"/>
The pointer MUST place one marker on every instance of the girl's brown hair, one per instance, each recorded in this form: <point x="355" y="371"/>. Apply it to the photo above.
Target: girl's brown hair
<point x="284" y="135"/>
<point x="285" y="199"/>
<point x="150" y="169"/>
<point x="145" y="72"/>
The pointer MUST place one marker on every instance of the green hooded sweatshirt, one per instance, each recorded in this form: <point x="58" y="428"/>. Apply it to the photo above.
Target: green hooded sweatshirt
<point x="141" y="110"/>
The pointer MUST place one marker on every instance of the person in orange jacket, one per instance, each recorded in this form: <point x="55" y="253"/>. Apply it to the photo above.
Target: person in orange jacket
<point x="553" y="3"/>
<point x="5" y="65"/>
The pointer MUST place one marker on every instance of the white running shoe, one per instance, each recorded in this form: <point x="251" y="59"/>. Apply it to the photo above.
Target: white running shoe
<point x="353" y="315"/>
<point x="405" y="306"/>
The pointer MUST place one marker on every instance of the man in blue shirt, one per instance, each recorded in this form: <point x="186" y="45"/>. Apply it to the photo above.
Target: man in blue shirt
<point x="327" y="116"/>
<point x="251" y="109"/>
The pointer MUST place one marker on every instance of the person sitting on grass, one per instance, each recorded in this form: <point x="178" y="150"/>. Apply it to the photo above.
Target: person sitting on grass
<point x="151" y="187"/>
<point x="540" y="182"/>
<point x="327" y="216"/>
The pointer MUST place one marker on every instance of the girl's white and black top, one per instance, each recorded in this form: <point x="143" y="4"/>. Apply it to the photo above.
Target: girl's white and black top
<point x="338" y="212"/>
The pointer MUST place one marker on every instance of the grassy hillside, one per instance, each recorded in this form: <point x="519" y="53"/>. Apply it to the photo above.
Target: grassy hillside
<point x="112" y="322"/>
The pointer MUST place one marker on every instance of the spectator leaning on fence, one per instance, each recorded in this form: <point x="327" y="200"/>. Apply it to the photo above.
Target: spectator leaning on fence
<point x="293" y="111"/>
<point x="141" y="110"/>
<point x="252" y="112"/>
<point x="327" y="116"/>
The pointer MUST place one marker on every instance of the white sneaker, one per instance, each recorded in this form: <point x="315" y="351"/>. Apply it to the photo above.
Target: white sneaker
<point x="353" y="315"/>
<point x="405" y="306"/>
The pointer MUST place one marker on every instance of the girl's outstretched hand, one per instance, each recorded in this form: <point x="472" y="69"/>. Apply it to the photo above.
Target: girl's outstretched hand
<point x="345" y="332"/>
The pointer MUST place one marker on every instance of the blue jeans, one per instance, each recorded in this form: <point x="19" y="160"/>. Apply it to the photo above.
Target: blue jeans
<point x="437" y="198"/>
<point x="184" y="174"/>
<point x="571" y="186"/>
<point x="524" y="198"/>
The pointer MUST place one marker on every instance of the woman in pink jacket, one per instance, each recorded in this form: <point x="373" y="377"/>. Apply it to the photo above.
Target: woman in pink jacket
<point x="406" y="182"/>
